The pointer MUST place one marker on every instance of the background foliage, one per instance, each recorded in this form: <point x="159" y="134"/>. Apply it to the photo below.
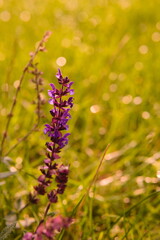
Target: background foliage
<point x="110" y="49"/>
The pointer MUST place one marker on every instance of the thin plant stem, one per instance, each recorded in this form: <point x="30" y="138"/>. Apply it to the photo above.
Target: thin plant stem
<point x="47" y="209"/>
<point x="25" y="70"/>
<point x="36" y="80"/>
<point x="95" y="176"/>
<point x="45" y="214"/>
<point x="11" y="64"/>
<point x="22" y="139"/>
<point x="38" y="99"/>
<point x="21" y="210"/>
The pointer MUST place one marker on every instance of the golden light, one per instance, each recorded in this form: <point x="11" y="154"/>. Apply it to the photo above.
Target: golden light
<point x="5" y="16"/>
<point x="127" y="99"/>
<point x="143" y="49"/>
<point x="145" y="115"/>
<point x="25" y="16"/>
<point x="137" y="100"/>
<point x="95" y="108"/>
<point x="16" y="83"/>
<point x="61" y="61"/>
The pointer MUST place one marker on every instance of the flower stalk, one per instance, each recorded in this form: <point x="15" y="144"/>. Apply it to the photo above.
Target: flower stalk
<point x="40" y="48"/>
<point x="51" y="171"/>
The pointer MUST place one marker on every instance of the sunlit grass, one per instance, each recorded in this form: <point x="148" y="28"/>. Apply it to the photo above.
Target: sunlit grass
<point x="110" y="49"/>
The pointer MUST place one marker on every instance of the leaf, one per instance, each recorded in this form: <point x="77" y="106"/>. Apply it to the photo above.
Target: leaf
<point x="7" y="231"/>
<point x="51" y="214"/>
<point x="31" y="175"/>
<point x="60" y="237"/>
<point x="6" y="174"/>
<point x="61" y="234"/>
<point x="72" y="215"/>
<point x="76" y="207"/>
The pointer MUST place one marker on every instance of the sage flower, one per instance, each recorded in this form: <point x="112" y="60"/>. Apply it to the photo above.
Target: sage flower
<point x="60" y="116"/>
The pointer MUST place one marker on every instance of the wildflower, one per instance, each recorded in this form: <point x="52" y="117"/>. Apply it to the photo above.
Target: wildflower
<point x="52" y="226"/>
<point x="60" y="116"/>
<point x="49" y="229"/>
<point x="51" y="170"/>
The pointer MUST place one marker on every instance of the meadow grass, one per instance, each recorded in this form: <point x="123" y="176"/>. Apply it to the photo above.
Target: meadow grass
<point x="112" y="54"/>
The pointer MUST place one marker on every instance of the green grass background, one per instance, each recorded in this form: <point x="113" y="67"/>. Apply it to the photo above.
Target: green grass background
<point x="112" y="52"/>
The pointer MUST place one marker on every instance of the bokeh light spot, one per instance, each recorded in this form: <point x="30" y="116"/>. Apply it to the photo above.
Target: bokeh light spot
<point x="102" y="131"/>
<point x="95" y="108"/>
<point x="106" y="96"/>
<point x="89" y="152"/>
<point x="16" y="83"/>
<point x="121" y="76"/>
<point x="140" y="180"/>
<point x="158" y="174"/>
<point x="64" y="202"/>
<point x="156" y="37"/>
<point x="127" y="99"/>
<point x="126" y="200"/>
<point x="1" y="3"/>
<point x="113" y="87"/>
<point x="25" y="16"/>
<point x="158" y="25"/>
<point x="61" y="61"/>
<point x="139" y="191"/>
<point x="143" y="49"/>
<point x="145" y="115"/>
<point x="137" y="100"/>
<point x="3" y="112"/>
<point x="13" y="169"/>
<point x="113" y="76"/>
<point x="5" y="16"/>
<point x="106" y="181"/>
<point x="19" y="160"/>
<point x="5" y="87"/>
<point x="124" y="4"/>
<point x="18" y="163"/>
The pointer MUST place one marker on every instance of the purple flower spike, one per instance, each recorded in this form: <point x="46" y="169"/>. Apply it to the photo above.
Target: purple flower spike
<point x="60" y="117"/>
<point x="51" y="170"/>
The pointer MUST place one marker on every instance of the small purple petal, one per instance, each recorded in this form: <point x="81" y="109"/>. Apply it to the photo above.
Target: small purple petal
<point x="71" y="91"/>
<point x="52" y="85"/>
<point x="51" y="101"/>
<point x="47" y="161"/>
<point x="51" y="93"/>
<point x="41" y="178"/>
<point x="52" y="196"/>
<point x="40" y="189"/>
<point x="59" y="74"/>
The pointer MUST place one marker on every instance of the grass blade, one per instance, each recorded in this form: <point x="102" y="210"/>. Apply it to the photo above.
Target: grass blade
<point x="7" y="231"/>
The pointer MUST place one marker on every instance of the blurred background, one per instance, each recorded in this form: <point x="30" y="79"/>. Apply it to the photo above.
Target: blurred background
<point x="111" y="50"/>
